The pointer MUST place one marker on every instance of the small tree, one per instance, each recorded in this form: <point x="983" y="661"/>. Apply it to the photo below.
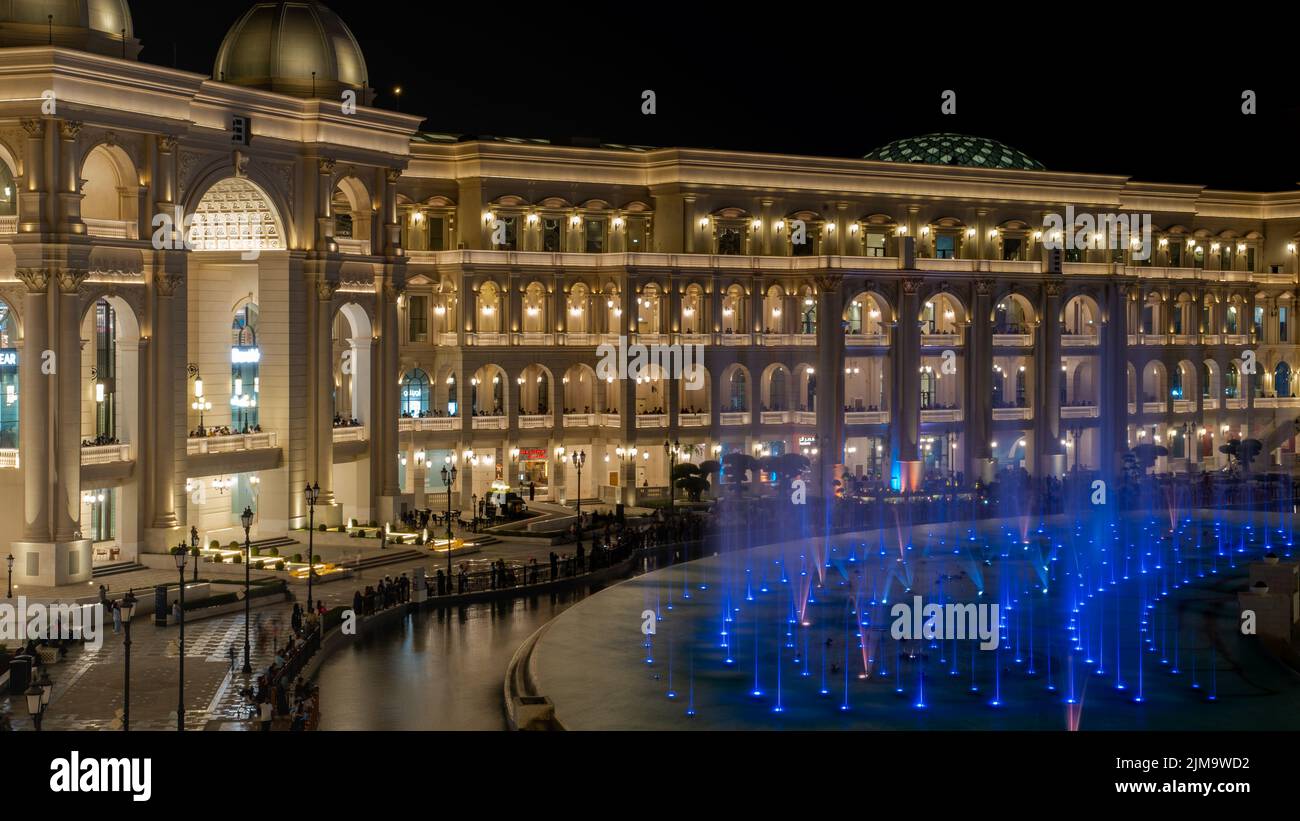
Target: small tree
<point x="1146" y="455"/>
<point x="737" y="465"/>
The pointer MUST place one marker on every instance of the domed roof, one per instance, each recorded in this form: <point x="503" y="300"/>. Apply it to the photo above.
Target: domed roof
<point x="945" y="148"/>
<point x="99" y="26"/>
<point x="277" y="47"/>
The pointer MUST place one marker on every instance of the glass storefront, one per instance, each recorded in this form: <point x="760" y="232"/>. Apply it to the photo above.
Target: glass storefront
<point x="245" y="363"/>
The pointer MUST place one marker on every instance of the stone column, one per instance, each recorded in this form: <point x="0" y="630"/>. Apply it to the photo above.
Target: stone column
<point x="1113" y="376"/>
<point x="385" y="425"/>
<point x="830" y="377"/>
<point x="979" y="392"/>
<point x="323" y="424"/>
<point x="67" y="442"/>
<point x="324" y="203"/>
<point x="35" y="419"/>
<point x="1047" y="418"/>
<point x="164" y="448"/>
<point x="905" y="432"/>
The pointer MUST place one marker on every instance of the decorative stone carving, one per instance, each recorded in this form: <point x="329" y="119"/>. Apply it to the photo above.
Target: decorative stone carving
<point x="167" y="143"/>
<point x="326" y="166"/>
<point x="33" y="127"/>
<point x="69" y="129"/>
<point x="168" y="284"/>
<point x="325" y="289"/>
<point x="911" y="285"/>
<point x="983" y="287"/>
<point x="70" y="280"/>
<point x="1054" y="287"/>
<point x="37" y="280"/>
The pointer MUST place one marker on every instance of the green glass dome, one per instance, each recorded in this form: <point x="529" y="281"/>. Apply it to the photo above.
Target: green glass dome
<point x="955" y="149"/>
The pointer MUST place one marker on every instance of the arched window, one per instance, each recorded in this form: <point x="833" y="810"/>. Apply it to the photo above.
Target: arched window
<point x="1176" y="383"/>
<point x="415" y="393"/>
<point x="245" y="365"/>
<point x="8" y="192"/>
<point x="739" y="391"/>
<point x="928" y="388"/>
<point x="8" y="379"/>
<point x="1282" y="379"/>
<point x="999" y="387"/>
<point x="105" y="369"/>
<point x="777" y="391"/>
<point x="1205" y="380"/>
<point x="1230" y="381"/>
<point x="808" y="315"/>
<point x="1231" y="321"/>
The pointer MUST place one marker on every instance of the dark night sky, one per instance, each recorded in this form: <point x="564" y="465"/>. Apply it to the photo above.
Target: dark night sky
<point x="559" y="70"/>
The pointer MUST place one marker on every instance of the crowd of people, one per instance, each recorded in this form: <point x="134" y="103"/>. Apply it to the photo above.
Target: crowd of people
<point x="387" y="593"/>
<point x="100" y="441"/>
<point x="224" y="430"/>
<point x="346" y="422"/>
<point x="272" y="695"/>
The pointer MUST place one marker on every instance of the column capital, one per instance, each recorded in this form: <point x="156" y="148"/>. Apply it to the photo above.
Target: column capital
<point x="1054" y="287"/>
<point x="37" y="280"/>
<point x="325" y="289"/>
<point x="829" y="280"/>
<point x="393" y="289"/>
<point x="70" y="280"/>
<point x="984" y="287"/>
<point x="167" y="143"/>
<point x="168" y="284"/>
<point x="33" y="127"/>
<point x="910" y="285"/>
<point x="325" y="165"/>
<point x="393" y="175"/>
<point x="69" y="129"/>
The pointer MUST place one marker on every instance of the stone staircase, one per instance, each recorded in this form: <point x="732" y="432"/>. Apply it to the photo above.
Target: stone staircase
<point x="116" y="569"/>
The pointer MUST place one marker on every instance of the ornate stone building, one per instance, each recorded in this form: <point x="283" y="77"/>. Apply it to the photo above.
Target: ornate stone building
<point x="215" y="290"/>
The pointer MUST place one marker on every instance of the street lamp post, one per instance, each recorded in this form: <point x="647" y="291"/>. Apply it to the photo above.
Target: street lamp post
<point x="312" y="492"/>
<point x="200" y="403"/>
<point x="10" y="563"/>
<point x="671" y="451"/>
<point x="246" y="519"/>
<point x="448" y="479"/>
<point x="181" y="554"/>
<point x="38" y="698"/>
<point x="128" y="612"/>
<point x="579" y="459"/>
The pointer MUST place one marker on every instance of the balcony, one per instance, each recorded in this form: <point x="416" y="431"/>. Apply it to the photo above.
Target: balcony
<point x="775" y="340"/>
<point x="1013" y="340"/>
<point x="610" y="420"/>
<point x="482" y="339"/>
<point x="1080" y="340"/>
<point x="866" y="340"/>
<point x="535" y="338"/>
<point x="532" y="421"/>
<point x="429" y="423"/>
<point x="1154" y="339"/>
<point x="1236" y="339"/>
<point x="1211" y="339"/>
<point x="940" y="340"/>
<point x="1277" y="402"/>
<point x="866" y="418"/>
<point x="231" y="444"/>
<point x="735" y="340"/>
<point x="1210" y="402"/>
<point x="105" y="454"/>
<point x="1008" y="414"/>
<point x="1153" y="407"/>
<point x="805" y="340"/>
<point x="693" y="339"/>
<point x="1184" y="406"/>
<point x="651" y="339"/>
<point x="1185" y="339"/>
<point x="652" y="420"/>
<point x="1235" y="404"/>
<point x="942" y="415"/>
<point x="447" y="339"/>
<point x="1080" y="412"/>
<point x="774" y="417"/>
<point x="692" y="420"/>
<point x="112" y="229"/>
<point x="356" y="433"/>
<point x="580" y="420"/>
<point x="805" y="418"/>
<point x="733" y="419"/>
<point x="348" y="245"/>
<point x="8" y="225"/>
<point x="8" y="458"/>
<point x="579" y="340"/>
<point x="490" y="423"/>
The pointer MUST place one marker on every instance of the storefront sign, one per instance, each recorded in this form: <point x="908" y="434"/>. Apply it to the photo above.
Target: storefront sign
<point x="8" y="359"/>
<point x="532" y="454"/>
<point x="239" y="356"/>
